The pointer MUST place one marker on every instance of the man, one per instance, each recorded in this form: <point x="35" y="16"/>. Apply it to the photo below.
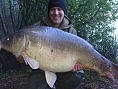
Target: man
<point x="56" y="17"/>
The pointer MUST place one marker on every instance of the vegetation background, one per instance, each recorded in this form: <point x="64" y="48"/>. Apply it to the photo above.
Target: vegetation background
<point x="92" y="19"/>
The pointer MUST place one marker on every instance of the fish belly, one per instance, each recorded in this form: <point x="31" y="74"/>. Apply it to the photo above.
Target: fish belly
<point x="55" y="61"/>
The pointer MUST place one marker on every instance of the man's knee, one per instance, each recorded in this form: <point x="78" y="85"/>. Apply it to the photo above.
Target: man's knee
<point x="70" y="80"/>
<point x="37" y="80"/>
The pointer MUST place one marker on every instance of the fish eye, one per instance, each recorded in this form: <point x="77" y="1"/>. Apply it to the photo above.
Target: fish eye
<point x="8" y="38"/>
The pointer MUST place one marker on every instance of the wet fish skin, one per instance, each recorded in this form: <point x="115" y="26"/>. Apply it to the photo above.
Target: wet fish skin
<point x="13" y="43"/>
<point x="51" y="49"/>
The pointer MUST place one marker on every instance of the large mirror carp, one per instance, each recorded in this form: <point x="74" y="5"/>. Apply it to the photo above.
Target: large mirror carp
<point x="54" y="50"/>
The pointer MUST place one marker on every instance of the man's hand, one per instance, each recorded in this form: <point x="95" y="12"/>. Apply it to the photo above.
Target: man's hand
<point x="77" y="67"/>
<point x="21" y="59"/>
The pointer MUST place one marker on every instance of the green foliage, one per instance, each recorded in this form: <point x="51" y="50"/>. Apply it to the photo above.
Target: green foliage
<point x="92" y="76"/>
<point x="6" y="74"/>
<point x="31" y="11"/>
<point x="90" y="15"/>
<point x="26" y="69"/>
<point x="92" y="19"/>
<point x="117" y="60"/>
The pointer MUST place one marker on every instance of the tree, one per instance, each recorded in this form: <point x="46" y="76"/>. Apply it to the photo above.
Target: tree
<point x="92" y="19"/>
<point x="31" y="11"/>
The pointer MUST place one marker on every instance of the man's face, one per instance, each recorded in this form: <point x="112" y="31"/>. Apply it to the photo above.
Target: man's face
<point x="56" y="15"/>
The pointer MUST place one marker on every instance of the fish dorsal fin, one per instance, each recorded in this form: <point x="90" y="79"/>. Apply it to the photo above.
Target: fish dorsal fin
<point x="50" y="78"/>
<point x="32" y="62"/>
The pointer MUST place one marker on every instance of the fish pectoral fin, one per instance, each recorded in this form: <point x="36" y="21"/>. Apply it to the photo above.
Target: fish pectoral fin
<point x="50" y="78"/>
<point x="32" y="62"/>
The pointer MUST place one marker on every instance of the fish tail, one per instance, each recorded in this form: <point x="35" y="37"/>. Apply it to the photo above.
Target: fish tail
<point x="112" y="74"/>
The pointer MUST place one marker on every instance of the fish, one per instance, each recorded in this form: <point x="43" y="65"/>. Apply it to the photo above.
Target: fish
<point x="53" y="50"/>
